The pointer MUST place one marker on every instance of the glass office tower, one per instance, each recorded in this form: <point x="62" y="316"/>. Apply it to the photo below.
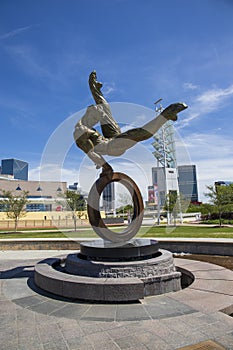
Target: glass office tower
<point x="15" y="167"/>
<point x="188" y="182"/>
<point x="109" y="198"/>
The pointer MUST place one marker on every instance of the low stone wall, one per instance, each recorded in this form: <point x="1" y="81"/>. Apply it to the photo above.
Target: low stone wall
<point x="86" y="288"/>
<point x="38" y="244"/>
<point x="196" y="246"/>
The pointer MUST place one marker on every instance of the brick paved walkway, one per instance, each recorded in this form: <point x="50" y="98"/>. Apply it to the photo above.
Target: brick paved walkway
<point x="31" y="319"/>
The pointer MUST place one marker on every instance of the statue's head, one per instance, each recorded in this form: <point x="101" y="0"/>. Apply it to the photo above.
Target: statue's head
<point x="93" y="75"/>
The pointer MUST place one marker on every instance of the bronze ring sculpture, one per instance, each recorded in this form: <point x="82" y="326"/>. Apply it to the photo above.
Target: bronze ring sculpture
<point x="93" y="208"/>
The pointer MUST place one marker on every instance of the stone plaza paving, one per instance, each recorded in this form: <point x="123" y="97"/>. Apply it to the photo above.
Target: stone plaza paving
<point x="31" y="319"/>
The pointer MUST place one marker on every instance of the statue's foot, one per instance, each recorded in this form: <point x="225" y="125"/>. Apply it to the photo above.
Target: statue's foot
<point x="170" y="113"/>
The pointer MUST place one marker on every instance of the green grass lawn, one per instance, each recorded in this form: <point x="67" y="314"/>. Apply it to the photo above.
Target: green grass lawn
<point x="190" y="232"/>
<point x="155" y="231"/>
<point x="35" y="234"/>
<point x="87" y="233"/>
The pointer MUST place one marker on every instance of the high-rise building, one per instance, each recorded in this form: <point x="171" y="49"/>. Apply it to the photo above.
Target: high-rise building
<point x="165" y="180"/>
<point x="187" y="181"/>
<point x="109" y="198"/>
<point x="15" y="167"/>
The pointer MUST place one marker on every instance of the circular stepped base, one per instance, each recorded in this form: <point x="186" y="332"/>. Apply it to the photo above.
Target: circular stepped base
<point x="145" y="271"/>
<point x="135" y="249"/>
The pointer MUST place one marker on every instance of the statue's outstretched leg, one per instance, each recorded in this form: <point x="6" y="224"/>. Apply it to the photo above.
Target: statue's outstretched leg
<point x="169" y="113"/>
<point x="119" y="144"/>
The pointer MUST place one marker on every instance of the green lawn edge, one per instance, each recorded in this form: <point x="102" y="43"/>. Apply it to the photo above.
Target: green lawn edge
<point x="154" y="232"/>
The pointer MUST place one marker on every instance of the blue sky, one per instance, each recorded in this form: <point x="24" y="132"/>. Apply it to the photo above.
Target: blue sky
<point x="142" y="50"/>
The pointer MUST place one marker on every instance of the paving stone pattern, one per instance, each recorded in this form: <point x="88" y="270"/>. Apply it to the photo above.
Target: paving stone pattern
<point x="31" y="319"/>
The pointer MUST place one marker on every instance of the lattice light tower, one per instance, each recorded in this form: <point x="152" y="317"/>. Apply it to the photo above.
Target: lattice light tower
<point x="165" y="153"/>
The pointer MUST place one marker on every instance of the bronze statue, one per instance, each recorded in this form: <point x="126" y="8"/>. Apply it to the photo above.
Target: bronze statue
<point x="112" y="141"/>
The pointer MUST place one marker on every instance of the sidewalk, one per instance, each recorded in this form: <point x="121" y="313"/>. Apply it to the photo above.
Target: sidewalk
<point x="31" y="319"/>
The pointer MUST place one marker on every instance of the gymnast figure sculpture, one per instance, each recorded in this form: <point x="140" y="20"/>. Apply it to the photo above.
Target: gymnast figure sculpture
<point x="112" y="141"/>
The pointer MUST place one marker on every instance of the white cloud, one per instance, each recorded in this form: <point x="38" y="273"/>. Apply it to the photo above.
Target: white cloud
<point x="209" y="146"/>
<point x="190" y="86"/>
<point x="108" y="88"/>
<point x="13" y="33"/>
<point x="52" y="172"/>
<point x="209" y="101"/>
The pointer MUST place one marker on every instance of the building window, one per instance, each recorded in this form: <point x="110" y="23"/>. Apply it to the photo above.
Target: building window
<point x="18" y="188"/>
<point x="38" y="207"/>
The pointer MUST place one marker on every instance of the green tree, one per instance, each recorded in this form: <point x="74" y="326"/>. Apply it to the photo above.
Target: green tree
<point x="193" y="208"/>
<point x="206" y="208"/>
<point x="74" y="202"/>
<point x="221" y="198"/>
<point x="14" y="206"/>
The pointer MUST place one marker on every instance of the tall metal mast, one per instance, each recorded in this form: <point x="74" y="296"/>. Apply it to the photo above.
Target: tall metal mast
<point x="165" y="153"/>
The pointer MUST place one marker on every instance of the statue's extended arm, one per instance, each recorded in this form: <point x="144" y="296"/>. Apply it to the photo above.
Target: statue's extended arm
<point x="95" y="87"/>
<point x="109" y="126"/>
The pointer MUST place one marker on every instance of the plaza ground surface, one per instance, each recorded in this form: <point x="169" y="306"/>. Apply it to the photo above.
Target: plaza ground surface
<point x="225" y="261"/>
<point x="31" y="319"/>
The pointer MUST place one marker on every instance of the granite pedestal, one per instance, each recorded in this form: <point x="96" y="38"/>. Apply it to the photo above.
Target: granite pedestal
<point x="103" y="271"/>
